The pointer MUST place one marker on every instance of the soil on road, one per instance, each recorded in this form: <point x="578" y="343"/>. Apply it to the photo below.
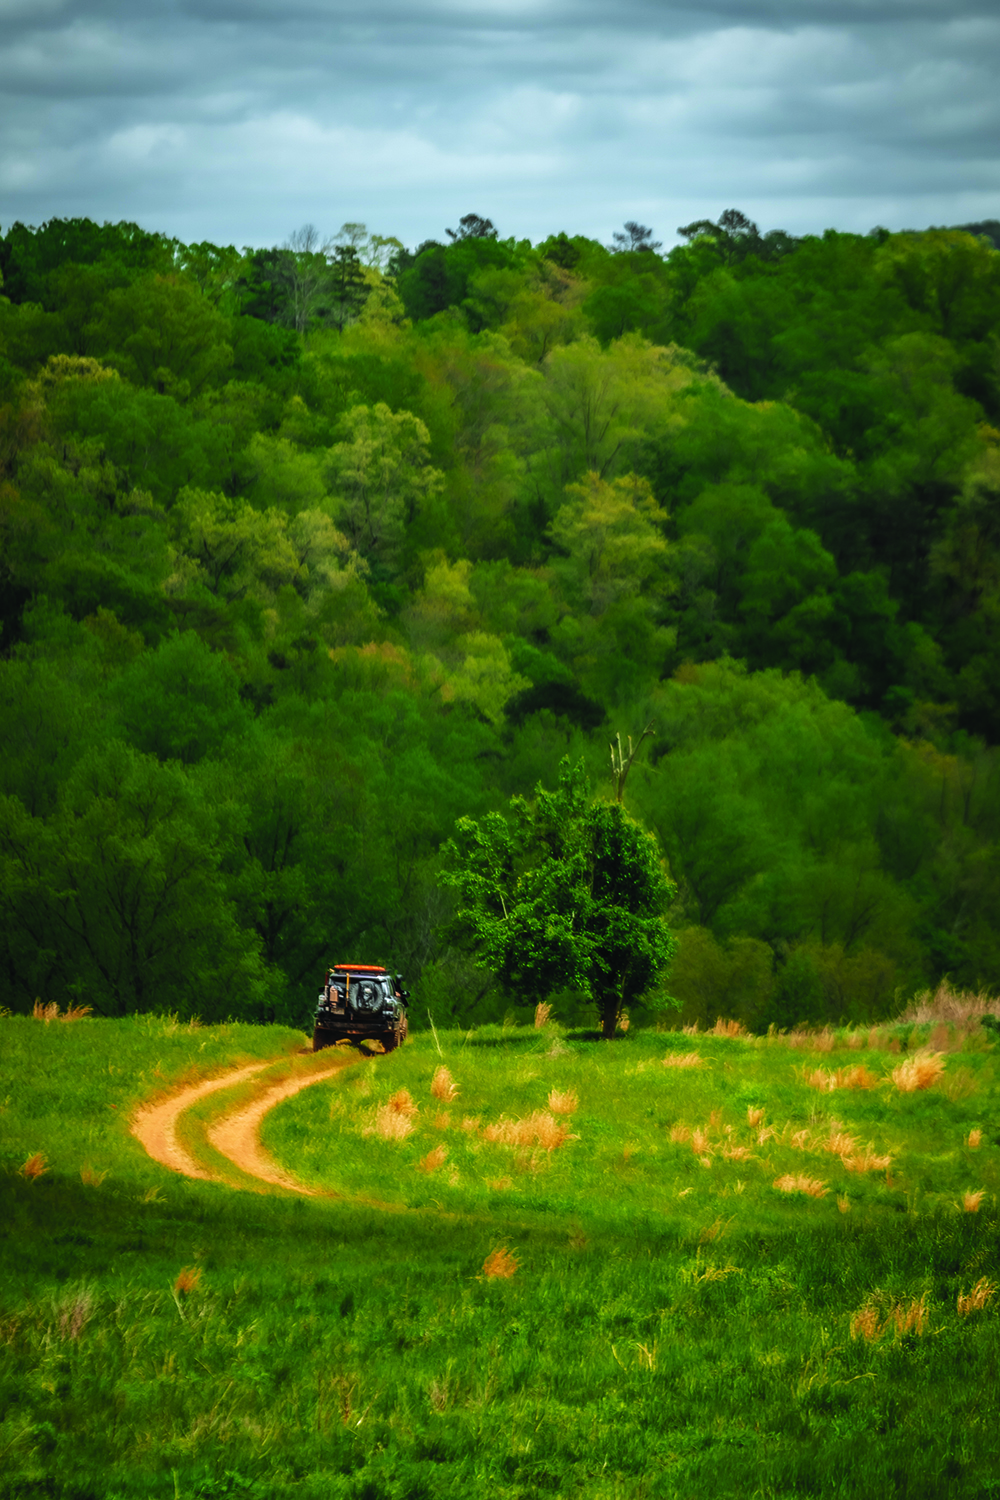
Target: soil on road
<point x="236" y="1134"/>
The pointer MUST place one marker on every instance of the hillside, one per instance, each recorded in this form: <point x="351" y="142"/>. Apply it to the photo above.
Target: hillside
<point x="307" y="551"/>
<point x="667" y="1265"/>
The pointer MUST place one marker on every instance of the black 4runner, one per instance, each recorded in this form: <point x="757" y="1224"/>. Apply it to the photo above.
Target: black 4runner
<point x="361" y="1002"/>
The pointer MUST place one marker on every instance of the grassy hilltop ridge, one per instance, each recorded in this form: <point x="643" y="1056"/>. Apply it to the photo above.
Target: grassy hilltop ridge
<point x="609" y="1270"/>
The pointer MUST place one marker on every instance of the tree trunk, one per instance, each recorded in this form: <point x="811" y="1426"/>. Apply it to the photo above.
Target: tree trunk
<point x="609" y="1020"/>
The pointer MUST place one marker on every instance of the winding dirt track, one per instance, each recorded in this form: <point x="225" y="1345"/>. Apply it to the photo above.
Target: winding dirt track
<point x="236" y="1134"/>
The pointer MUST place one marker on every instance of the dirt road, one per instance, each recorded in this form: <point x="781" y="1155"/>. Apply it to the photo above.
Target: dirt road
<point x="236" y="1134"/>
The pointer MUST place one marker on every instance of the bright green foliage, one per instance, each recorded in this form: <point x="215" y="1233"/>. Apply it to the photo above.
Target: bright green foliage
<point x="162" y="333"/>
<point x="118" y="896"/>
<point x="564" y="893"/>
<point x="515" y="495"/>
<point x="615" y="573"/>
<point x="380" y="475"/>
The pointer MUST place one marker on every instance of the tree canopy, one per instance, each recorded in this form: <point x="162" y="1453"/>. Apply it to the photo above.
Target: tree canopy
<point x="309" y="550"/>
<point x="564" y="892"/>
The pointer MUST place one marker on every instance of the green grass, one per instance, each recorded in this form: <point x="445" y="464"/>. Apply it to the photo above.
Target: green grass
<point x="674" y="1329"/>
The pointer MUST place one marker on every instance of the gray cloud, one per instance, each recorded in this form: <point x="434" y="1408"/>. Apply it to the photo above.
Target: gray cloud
<point x="236" y="120"/>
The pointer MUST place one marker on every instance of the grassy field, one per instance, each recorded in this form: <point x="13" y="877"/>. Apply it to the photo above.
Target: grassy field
<point x="667" y="1266"/>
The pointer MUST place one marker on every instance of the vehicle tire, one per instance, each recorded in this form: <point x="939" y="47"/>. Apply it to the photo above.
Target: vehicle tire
<point x="390" y="1040"/>
<point x="321" y="1039"/>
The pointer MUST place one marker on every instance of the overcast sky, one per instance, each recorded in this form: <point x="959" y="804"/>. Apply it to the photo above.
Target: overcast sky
<point x="240" y="120"/>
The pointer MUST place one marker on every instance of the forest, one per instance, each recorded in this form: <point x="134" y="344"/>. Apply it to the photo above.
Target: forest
<point x="308" y="552"/>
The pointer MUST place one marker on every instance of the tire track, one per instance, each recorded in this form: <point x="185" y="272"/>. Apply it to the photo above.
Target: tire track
<point x="236" y="1135"/>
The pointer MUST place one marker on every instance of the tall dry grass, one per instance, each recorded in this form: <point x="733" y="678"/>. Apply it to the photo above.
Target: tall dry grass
<point x="856" y="1077"/>
<point x="921" y="1071"/>
<point x="866" y="1161"/>
<point x="976" y="1299"/>
<point x="542" y="1013"/>
<point x="539" y="1128"/>
<point x="50" y="1012"/>
<point x="948" y="1004"/>
<point x="811" y="1186"/>
<point x="728" y="1027"/>
<point x="501" y="1264"/>
<point x="443" y="1086"/>
<point x="682" y="1060"/>
<point x="878" y="1317"/>
<point x="394" y="1120"/>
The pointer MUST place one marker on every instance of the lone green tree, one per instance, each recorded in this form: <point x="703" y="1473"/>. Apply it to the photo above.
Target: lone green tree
<point x="564" y="892"/>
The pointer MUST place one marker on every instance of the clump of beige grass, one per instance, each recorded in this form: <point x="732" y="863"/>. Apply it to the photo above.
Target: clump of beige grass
<point x="442" y="1120"/>
<point x="394" y="1120"/>
<point x="682" y="1060"/>
<point x="50" y="1012"/>
<point x="500" y="1264"/>
<point x="911" y="1317"/>
<point x="539" y="1128"/>
<point x="796" y="1183"/>
<point x="542" y="1013"/>
<point x="443" y="1085"/>
<point x="866" y="1323"/>
<point x="920" y="1071"/>
<point x="433" y="1160"/>
<point x="948" y="1004"/>
<point x="737" y="1153"/>
<point x="972" y="1201"/>
<point x="470" y="1124"/>
<point x="34" y="1167"/>
<point x="855" y="1077"/>
<point x="974" y="1140"/>
<point x="89" y="1177"/>
<point x="866" y="1161"/>
<point x="680" y="1134"/>
<point x="499" y="1184"/>
<point x="755" y="1115"/>
<point x="901" y="1317"/>
<point x="976" y="1299"/>
<point x="843" y="1203"/>
<point x="727" y="1027"/>
<point x="565" y="1103"/>
<point x="804" y="1038"/>
<point x="188" y="1280"/>
<point x="699" y="1141"/>
<point x="800" y="1140"/>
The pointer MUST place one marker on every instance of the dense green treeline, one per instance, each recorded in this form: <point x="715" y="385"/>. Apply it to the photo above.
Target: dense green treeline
<point x="308" y="552"/>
